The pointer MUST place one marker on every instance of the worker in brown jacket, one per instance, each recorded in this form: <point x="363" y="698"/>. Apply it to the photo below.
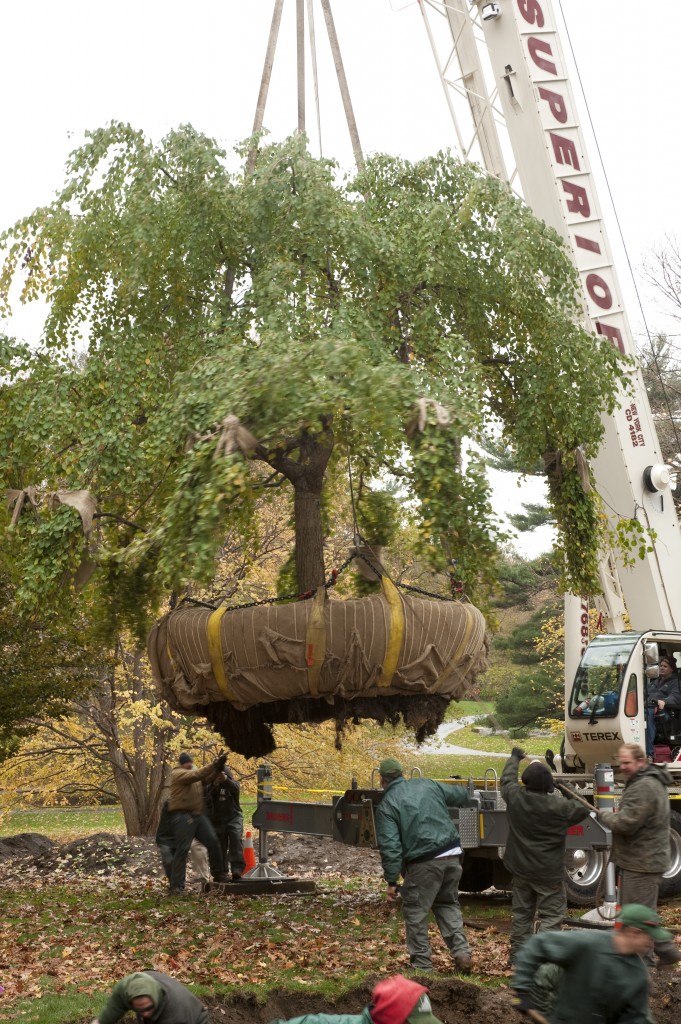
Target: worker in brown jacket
<point x="188" y="820"/>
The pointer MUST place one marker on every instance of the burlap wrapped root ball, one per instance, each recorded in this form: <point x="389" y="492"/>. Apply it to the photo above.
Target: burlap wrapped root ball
<point x="381" y="657"/>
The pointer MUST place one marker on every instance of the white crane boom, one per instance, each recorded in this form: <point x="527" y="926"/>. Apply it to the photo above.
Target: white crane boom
<point x="540" y="115"/>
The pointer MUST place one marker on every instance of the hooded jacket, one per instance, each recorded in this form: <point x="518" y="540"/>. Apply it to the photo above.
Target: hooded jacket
<point x="537" y="827"/>
<point x="173" y="1003"/>
<point x="640" y="825"/>
<point x="412" y="821"/>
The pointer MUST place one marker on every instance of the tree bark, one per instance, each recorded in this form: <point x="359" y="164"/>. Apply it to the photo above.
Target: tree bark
<point x="307" y="510"/>
<point x="306" y="474"/>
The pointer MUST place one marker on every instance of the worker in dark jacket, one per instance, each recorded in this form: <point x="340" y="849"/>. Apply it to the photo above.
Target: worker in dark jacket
<point x="224" y="811"/>
<point x="640" y="835"/>
<point x="603" y="981"/>
<point x="393" y="1001"/>
<point x="153" y="997"/>
<point x="417" y="839"/>
<point x="186" y="808"/>
<point x="538" y="819"/>
<point x="664" y="695"/>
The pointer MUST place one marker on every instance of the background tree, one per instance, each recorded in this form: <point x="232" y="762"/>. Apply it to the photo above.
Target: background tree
<point x="245" y="331"/>
<point x="44" y="660"/>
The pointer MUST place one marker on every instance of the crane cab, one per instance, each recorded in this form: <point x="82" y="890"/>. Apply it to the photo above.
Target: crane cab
<point x="607" y="703"/>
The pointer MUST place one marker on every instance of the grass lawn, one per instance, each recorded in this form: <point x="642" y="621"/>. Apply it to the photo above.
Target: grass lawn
<point x="72" y="942"/>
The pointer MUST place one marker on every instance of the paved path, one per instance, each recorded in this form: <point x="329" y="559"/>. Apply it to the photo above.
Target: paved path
<point x="436" y="744"/>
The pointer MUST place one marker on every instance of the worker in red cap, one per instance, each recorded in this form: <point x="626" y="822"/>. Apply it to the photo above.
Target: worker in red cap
<point x="393" y="1001"/>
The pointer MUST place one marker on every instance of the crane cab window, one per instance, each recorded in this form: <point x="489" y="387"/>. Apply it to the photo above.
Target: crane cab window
<point x="599" y="682"/>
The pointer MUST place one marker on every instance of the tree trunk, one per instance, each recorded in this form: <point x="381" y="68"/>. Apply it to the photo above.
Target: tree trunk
<point x="139" y="769"/>
<point x="309" y="539"/>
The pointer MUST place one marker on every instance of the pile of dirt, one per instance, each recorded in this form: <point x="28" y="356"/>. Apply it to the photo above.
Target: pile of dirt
<point x="453" y="1002"/>
<point x="105" y="854"/>
<point x="26" y="844"/>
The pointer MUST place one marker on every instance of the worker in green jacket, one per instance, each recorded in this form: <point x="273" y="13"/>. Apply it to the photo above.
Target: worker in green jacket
<point x="640" y="835"/>
<point x="604" y="979"/>
<point x="417" y="839"/>
<point x="394" y="1000"/>
<point x="153" y="997"/>
<point x="538" y="819"/>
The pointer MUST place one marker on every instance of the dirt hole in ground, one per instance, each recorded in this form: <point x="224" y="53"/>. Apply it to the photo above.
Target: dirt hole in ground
<point x="453" y="1002"/>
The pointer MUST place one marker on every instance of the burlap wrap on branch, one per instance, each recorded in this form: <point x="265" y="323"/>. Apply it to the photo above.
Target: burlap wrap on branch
<point x="318" y="659"/>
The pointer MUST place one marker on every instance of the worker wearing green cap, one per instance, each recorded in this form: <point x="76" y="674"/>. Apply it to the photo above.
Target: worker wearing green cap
<point x="603" y="977"/>
<point x="154" y="997"/>
<point x="417" y="839"/>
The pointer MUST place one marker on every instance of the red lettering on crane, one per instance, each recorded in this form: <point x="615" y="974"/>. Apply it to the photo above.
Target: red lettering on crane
<point x="556" y="102"/>
<point x="579" y="200"/>
<point x="587" y="243"/>
<point x="537" y="47"/>
<point x="564" y="150"/>
<point x="599" y="291"/>
<point x="531" y="12"/>
<point x="613" y="334"/>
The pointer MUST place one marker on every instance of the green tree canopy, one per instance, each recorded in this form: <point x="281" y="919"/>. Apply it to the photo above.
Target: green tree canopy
<point x="215" y="333"/>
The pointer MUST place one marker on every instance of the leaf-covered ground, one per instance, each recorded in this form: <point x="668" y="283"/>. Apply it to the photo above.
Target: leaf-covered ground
<point x="77" y="917"/>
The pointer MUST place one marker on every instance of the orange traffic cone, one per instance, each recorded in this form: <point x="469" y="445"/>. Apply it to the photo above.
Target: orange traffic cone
<point x="249" y="853"/>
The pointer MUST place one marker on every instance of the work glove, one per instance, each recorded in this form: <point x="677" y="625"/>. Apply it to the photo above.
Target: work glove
<point x="221" y="762"/>
<point x="522" y="1002"/>
<point x="518" y="752"/>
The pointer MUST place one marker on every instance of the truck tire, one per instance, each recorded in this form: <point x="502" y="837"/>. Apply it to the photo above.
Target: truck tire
<point x="583" y="872"/>
<point x="478" y="874"/>
<point x="670" y="884"/>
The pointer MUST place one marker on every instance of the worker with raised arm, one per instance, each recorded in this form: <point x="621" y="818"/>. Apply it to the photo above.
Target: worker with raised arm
<point x="603" y="978"/>
<point x="224" y="811"/>
<point x="538" y="819"/>
<point x="417" y="839"/>
<point x="153" y="997"/>
<point x="394" y="1000"/>
<point x="188" y="820"/>
<point x="640" y="835"/>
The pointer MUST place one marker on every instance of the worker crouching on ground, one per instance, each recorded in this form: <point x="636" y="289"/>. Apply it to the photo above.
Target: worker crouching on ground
<point x="393" y="1001"/>
<point x="640" y="835"/>
<point x="418" y="839"/>
<point x="153" y="997"/>
<point x="186" y="808"/>
<point x="224" y="811"/>
<point x="538" y="818"/>
<point x="603" y="977"/>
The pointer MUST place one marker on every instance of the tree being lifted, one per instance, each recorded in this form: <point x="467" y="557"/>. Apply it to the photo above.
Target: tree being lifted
<point x="213" y="334"/>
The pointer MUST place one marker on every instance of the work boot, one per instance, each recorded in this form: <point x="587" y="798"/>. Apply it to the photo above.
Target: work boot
<point x="175" y="890"/>
<point x="667" y="957"/>
<point x="463" y="962"/>
<point x="236" y="878"/>
<point x="221" y="876"/>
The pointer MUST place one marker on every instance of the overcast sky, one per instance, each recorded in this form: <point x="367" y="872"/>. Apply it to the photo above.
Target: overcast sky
<point x="76" y="65"/>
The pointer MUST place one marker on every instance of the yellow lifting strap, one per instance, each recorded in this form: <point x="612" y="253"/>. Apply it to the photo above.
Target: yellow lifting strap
<point x="315" y="641"/>
<point x="396" y="631"/>
<point x="468" y="629"/>
<point x="215" y="650"/>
